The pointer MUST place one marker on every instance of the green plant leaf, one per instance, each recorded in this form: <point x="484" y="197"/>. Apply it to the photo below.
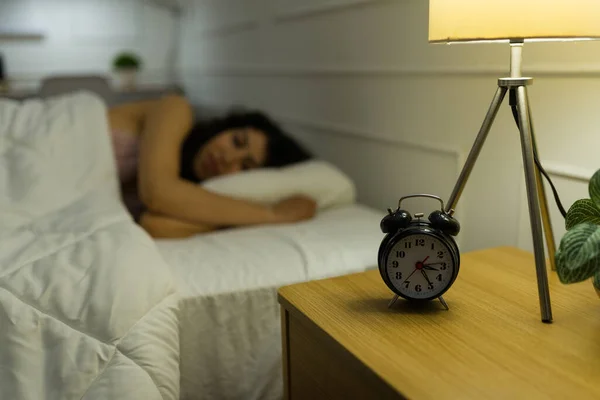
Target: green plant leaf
<point x="582" y="211"/>
<point x="594" y="188"/>
<point x="578" y="257"/>
<point x="597" y="280"/>
<point x="127" y="60"/>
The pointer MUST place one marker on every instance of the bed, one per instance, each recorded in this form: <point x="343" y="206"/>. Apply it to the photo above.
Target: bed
<point x="230" y="326"/>
<point x="92" y="308"/>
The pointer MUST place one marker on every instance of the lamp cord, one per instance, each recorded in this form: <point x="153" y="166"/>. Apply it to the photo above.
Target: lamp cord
<point x="513" y="106"/>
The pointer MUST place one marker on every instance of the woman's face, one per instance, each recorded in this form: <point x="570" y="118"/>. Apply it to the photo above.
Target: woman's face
<point x="231" y="151"/>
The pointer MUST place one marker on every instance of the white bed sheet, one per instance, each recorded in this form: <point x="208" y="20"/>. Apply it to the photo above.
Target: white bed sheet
<point x="230" y="328"/>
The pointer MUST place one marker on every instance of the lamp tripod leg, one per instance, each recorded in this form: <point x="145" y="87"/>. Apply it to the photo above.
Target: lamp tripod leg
<point x="533" y="202"/>
<point x="535" y="193"/>
<point x="476" y="149"/>
<point x="543" y="199"/>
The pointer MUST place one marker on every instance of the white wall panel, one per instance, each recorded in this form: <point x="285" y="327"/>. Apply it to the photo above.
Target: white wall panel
<point x="288" y="9"/>
<point x="222" y="16"/>
<point x="106" y="20"/>
<point x="83" y="37"/>
<point x="20" y="15"/>
<point x="382" y="168"/>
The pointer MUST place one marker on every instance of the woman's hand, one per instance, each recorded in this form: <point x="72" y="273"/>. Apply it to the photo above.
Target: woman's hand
<point x="294" y="209"/>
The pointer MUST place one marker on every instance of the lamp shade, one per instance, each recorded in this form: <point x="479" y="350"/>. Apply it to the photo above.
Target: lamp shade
<point x="484" y="20"/>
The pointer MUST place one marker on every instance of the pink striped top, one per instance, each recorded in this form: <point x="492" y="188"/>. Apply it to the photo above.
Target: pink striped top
<point x="126" y="152"/>
<point x="126" y="149"/>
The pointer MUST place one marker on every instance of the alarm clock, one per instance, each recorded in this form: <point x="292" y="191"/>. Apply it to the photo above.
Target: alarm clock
<point x="418" y="258"/>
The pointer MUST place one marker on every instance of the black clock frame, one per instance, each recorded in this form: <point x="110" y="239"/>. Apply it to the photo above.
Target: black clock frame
<point x="416" y="228"/>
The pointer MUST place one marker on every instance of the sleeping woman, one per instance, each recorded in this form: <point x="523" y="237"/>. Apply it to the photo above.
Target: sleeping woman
<point x="162" y="156"/>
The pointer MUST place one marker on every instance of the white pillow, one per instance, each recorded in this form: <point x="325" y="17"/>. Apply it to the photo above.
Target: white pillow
<point x="320" y="180"/>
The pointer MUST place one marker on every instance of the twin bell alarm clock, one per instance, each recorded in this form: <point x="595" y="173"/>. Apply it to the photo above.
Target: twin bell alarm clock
<point x="418" y="258"/>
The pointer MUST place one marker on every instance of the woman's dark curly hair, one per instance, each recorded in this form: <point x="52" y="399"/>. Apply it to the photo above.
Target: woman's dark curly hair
<point x="281" y="149"/>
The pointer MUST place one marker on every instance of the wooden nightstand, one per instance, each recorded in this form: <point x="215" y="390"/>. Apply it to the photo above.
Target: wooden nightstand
<point x="340" y="341"/>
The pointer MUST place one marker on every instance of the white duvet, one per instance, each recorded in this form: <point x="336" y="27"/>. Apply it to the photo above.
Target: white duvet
<point x="88" y="308"/>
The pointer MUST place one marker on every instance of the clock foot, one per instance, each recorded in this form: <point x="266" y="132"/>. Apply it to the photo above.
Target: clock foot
<point x="394" y="300"/>
<point x="441" y="299"/>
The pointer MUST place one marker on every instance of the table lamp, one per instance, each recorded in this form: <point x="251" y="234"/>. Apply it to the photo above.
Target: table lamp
<point x="515" y="22"/>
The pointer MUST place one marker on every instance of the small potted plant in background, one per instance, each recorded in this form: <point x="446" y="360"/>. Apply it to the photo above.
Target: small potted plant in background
<point x="127" y="66"/>
<point x="578" y="257"/>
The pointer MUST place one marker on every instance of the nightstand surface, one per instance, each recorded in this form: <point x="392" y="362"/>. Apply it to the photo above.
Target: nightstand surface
<point x="490" y="344"/>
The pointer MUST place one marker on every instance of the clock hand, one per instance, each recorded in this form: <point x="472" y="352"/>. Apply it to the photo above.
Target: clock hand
<point x="426" y="278"/>
<point x="428" y="268"/>
<point x="416" y="269"/>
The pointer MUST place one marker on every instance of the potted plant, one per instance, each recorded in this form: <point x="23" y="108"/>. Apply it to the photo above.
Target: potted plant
<point x="127" y="65"/>
<point x="578" y="256"/>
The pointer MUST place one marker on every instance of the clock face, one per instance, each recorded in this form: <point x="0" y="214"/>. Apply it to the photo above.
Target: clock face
<point x="420" y="266"/>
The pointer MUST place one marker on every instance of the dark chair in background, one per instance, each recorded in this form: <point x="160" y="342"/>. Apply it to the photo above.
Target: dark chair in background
<point x="54" y="85"/>
<point x="61" y="84"/>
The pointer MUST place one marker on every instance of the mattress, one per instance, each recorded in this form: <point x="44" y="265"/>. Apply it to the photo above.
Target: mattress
<point x="230" y="325"/>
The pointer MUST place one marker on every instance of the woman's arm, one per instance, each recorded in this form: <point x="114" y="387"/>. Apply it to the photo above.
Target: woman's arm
<point x="165" y="126"/>
<point x="163" y="227"/>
